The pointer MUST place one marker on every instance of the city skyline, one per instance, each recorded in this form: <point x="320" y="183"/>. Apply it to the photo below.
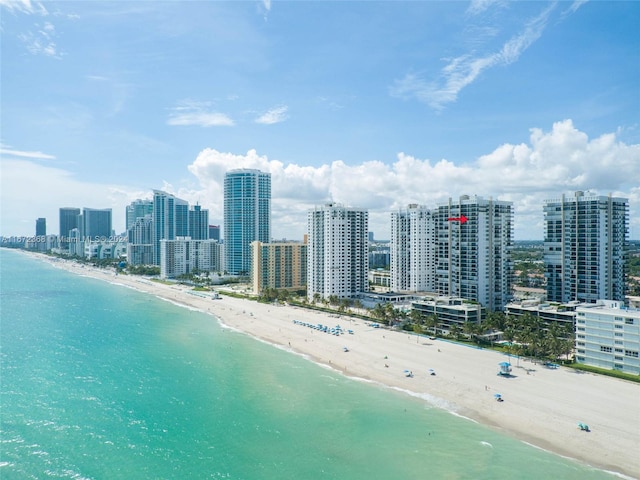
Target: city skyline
<point x="374" y="105"/>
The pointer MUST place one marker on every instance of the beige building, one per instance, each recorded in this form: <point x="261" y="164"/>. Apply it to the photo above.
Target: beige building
<point x="278" y="265"/>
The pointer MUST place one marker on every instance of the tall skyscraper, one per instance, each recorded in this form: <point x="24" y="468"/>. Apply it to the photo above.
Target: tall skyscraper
<point x="474" y="242"/>
<point x="41" y="227"/>
<point x="140" y="241"/>
<point x="170" y="220"/>
<point x="138" y="209"/>
<point x="338" y="261"/>
<point x="68" y="221"/>
<point x="413" y="250"/>
<point x="247" y="216"/>
<point x="198" y="223"/>
<point x="95" y="223"/>
<point x="585" y="248"/>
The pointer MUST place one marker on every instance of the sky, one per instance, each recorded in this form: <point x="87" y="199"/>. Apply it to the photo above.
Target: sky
<point x="370" y="104"/>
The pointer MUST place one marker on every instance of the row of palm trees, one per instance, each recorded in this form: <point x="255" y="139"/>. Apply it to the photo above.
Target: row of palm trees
<point x="526" y="334"/>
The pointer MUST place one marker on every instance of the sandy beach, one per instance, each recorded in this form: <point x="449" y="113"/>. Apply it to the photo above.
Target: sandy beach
<point x="541" y="406"/>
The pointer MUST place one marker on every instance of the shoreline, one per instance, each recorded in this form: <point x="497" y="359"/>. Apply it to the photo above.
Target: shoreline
<point x="541" y="407"/>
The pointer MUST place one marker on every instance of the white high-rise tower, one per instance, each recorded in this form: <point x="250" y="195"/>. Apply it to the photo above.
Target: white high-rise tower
<point x="337" y="251"/>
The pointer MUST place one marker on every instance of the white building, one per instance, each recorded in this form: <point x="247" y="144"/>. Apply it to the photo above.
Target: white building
<point x="608" y="336"/>
<point x="105" y="249"/>
<point x="584" y="248"/>
<point x="184" y="255"/>
<point x="337" y="251"/>
<point x="140" y="241"/>
<point x="474" y="241"/>
<point x="413" y="250"/>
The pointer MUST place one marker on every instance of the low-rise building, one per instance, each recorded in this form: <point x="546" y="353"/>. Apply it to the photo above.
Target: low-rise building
<point x="608" y="336"/>
<point x="561" y="313"/>
<point x="450" y="310"/>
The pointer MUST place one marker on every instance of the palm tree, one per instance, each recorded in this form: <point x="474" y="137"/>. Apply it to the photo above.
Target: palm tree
<point x="454" y="331"/>
<point x="432" y="322"/>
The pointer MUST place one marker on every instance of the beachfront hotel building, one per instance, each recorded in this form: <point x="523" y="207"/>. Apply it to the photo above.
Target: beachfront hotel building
<point x="95" y="224"/>
<point x="183" y="255"/>
<point x="247" y="216"/>
<point x="278" y="265"/>
<point x="413" y="250"/>
<point x="337" y="251"/>
<point x="608" y="336"/>
<point x="450" y="311"/>
<point x="473" y="256"/>
<point x="585" y="247"/>
<point x="170" y="220"/>
<point x="68" y="221"/>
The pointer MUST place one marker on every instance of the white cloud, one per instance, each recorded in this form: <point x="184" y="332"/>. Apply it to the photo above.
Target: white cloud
<point x="41" y="42"/>
<point x="275" y="115"/>
<point x="189" y="112"/>
<point x="24" y="6"/>
<point x="463" y="70"/>
<point x="31" y="190"/>
<point x="551" y="163"/>
<point x="560" y="160"/>
<point x="19" y="153"/>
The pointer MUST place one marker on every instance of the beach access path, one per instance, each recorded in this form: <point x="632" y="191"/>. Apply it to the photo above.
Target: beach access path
<point x="541" y="406"/>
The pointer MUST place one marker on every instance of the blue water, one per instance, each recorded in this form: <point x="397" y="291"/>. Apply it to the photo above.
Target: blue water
<point x="103" y="382"/>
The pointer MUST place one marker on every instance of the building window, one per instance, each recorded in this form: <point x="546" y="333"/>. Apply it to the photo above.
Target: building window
<point x="618" y="342"/>
<point x="631" y="353"/>
<point x="618" y="326"/>
<point x="605" y="349"/>
<point x="618" y="334"/>
<point x="628" y="321"/>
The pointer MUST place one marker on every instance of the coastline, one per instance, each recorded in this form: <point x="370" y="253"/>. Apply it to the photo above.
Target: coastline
<point x="541" y="407"/>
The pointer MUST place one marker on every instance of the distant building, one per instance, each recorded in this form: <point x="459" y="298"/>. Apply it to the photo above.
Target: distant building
<point x="278" y="265"/>
<point x="140" y="241"/>
<point x="138" y="209"/>
<point x="413" y="250"/>
<point x="198" y="223"/>
<point x="68" y="221"/>
<point x="379" y="256"/>
<point x="585" y="248"/>
<point x="101" y="249"/>
<point x="608" y="336"/>
<point x="95" y="224"/>
<point x="247" y="216"/>
<point x="337" y="251"/>
<point x="184" y="255"/>
<point x="214" y="232"/>
<point x="170" y="220"/>
<point x="41" y="227"/>
<point x="474" y="255"/>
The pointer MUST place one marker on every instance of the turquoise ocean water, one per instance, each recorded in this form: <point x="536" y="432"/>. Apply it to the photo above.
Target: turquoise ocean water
<point x="103" y="382"/>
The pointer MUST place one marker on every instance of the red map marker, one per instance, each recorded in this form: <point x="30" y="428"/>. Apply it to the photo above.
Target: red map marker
<point x="460" y="219"/>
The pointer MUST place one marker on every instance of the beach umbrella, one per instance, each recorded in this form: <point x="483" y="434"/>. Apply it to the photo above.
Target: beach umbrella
<point x="504" y="364"/>
<point x="497" y="395"/>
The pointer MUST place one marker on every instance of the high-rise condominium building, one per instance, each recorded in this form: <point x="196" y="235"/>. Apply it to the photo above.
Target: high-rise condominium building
<point x="170" y="220"/>
<point x="140" y="241"/>
<point x="138" y="209"/>
<point x="41" y="227"/>
<point x="198" y="223"/>
<point x="413" y="250"/>
<point x="278" y="265"/>
<point x="247" y="216"/>
<point x="585" y="248"/>
<point x="95" y="224"/>
<point x="474" y="240"/>
<point x="214" y="232"/>
<point x="183" y="255"/>
<point x="337" y="251"/>
<point x="68" y="221"/>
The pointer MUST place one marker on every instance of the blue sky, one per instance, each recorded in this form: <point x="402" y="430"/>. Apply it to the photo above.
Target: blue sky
<point x="370" y="104"/>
